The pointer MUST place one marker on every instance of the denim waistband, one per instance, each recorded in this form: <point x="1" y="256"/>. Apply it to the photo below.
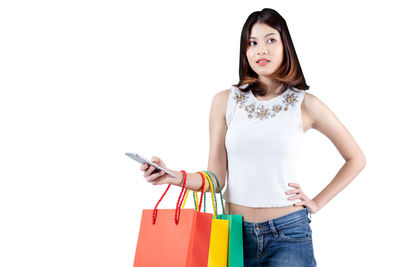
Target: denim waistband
<point x="277" y="223"/>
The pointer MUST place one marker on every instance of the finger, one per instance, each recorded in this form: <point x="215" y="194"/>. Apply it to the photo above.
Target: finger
<point x="155" y="176"/>
<point x="294" y="185"/>
<point x="300" y="203"/>
<point x="144" y="167"/>
<point x="294" y="191"/>
<point x="298" y="196"/>
<point x="149" y="171"/>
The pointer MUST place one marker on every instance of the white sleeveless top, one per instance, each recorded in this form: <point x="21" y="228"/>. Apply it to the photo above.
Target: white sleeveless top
<point x="263" y="141"/>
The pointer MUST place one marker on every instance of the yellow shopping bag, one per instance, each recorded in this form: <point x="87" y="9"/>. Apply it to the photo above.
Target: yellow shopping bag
<point x="219" y="239"/>
<point x="218" y="251"/>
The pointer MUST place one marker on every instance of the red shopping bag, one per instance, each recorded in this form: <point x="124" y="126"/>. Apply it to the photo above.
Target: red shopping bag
<point x="173" y="237"/>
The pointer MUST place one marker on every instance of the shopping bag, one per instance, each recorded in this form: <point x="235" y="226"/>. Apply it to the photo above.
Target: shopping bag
<point x="235" y="245"/>
<point x="219" y="232"/>
<point x="173" y="237"/>
<point x="218" y="251"/>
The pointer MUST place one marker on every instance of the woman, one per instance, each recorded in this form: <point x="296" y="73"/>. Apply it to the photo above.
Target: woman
<point x="256" y="129"/>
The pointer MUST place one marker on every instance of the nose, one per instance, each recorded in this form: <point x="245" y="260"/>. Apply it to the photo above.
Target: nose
<point x="263" y="50"/>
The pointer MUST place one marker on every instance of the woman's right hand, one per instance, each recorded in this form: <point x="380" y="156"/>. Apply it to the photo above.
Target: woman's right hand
<point x="158" y="178"/>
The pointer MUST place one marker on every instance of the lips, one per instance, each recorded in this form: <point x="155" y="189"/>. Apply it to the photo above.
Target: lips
<point x="263" y="59"/>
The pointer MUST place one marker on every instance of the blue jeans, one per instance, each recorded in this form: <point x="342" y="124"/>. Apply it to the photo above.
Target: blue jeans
<point x="284" y="241"/>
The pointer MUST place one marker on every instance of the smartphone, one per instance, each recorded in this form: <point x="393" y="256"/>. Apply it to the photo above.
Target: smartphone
<point x="142" y="160"/>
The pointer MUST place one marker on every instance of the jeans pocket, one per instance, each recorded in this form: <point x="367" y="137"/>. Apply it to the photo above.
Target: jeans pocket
<point x="297" y="232"/>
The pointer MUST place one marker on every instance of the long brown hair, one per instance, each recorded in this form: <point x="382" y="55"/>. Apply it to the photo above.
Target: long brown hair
<point x="289" y="73"/>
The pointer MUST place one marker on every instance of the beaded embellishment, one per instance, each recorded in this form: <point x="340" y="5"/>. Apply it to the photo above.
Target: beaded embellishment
<point x="264" y="112"/>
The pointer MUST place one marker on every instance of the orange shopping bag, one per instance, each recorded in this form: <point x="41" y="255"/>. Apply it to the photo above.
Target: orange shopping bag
<point x="218" y="249"/>
<point x="173" y="237"/>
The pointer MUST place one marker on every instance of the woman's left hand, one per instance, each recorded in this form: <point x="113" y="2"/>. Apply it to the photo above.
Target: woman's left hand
<point x="309" y="203"/>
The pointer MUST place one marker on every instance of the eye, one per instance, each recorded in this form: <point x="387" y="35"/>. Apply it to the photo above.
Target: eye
<point x="272" y="39"/>
<point x="251" y="42"/>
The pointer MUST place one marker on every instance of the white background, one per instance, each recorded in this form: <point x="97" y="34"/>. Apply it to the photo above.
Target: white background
<point x="83" y="82"/>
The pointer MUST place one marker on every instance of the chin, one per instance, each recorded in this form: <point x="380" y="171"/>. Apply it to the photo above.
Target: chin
<point x="265" y="72"/>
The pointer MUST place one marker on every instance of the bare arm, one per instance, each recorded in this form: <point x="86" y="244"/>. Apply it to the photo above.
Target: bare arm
<point x="325" y="121"/>
<point x="217" y="159"/>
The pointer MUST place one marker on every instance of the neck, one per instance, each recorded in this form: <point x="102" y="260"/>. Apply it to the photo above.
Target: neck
<point x="274" y="87"/>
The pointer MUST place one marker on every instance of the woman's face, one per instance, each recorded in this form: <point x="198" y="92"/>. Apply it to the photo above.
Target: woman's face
<point x="264" y="42"/>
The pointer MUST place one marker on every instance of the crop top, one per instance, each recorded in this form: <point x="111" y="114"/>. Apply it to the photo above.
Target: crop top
<point x="263" y="141"/>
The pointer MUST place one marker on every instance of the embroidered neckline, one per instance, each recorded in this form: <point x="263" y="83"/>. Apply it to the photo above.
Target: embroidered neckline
<point x="260" y="109"/>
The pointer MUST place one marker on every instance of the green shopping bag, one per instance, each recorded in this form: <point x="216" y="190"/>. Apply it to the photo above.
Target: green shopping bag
<point x="235" y="245"/>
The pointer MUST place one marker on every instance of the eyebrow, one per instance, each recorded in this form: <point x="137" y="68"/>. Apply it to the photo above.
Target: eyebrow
<point x="264" y="36"/>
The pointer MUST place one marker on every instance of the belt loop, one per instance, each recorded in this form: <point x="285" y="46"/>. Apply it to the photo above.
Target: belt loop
<point x="271" y="224"/>
<point x="309" y="212"/>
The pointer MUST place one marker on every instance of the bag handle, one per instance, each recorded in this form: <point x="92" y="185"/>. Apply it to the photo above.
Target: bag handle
<point x="206" y="175"/>
<point x="212" y="193"/>
<point x="220" y="190"/>
<point x="180" y="199"/>
<point x="219" y="186"/>
<point x="195" y="197"/>
<point x="184" y="201"/>
<point x="203" y="189"/>
<point x="205" y="178"/>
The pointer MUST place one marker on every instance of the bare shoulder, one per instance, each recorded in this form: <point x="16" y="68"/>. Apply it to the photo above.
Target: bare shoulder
<point x="315" y="109"/>
<point x="220" y="101"/>
<point x="222" y="95"/>
<point x="309" y="99"/>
